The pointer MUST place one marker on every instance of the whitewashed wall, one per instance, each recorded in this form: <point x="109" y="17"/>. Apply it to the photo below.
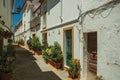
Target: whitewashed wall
<point x="91" y="4"/>
<point x="108" y="30"/>
<point x="67" y="12"/>
<point x="58" y="13"/>
<point x="5" y="13"/>
<point x="108" y="33"/>
<point x="64" y="9"/>
<point x="26" y="19"/>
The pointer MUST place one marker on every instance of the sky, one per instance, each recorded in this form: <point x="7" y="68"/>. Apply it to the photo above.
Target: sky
<point x="17" y="17"/>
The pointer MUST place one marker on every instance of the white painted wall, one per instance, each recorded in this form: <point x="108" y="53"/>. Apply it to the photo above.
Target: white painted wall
<point x="108" y="33"/>
<point x="67" y="10"/>
<point x="64" y="9"/>
<point x="18" y="32"/>
<point x="70" y="10"/>
<point x="108" y="42"/>
<point x="26" y="20"/>
<point x="5" y="13"/>
<point x="53" y="15"/>
<point x="91" y="4"/>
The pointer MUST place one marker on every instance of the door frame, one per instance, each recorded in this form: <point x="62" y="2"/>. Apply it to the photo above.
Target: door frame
<point x="85" y="34"/>
<point x="64" y="29"/>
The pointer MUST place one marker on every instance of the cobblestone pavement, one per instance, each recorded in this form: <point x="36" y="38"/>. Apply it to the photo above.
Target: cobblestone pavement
<point x="27" y="67"/>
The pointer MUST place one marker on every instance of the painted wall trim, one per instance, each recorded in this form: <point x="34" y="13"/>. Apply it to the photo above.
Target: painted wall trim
<point x="61" y="25"/>
<point x="28" y="30"/>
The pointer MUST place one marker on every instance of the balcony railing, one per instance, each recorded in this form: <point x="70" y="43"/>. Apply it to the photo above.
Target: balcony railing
<point x="34" y="22"/>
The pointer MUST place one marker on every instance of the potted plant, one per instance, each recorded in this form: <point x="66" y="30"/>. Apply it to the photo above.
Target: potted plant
<point x="45" y="56"/>
<point x="29" y="43"/>
<point x="6" y="68"/>
<point x="36" y="45"/>
<point x="74" y="68"/>
<point x="47" y="53"/>
<point x="56" y="55"/>
<point x="6" y="62"/>
<point x="21" y="42"/>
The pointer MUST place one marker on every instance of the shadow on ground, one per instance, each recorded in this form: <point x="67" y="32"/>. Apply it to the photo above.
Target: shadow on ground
<point x="25" y="67"/>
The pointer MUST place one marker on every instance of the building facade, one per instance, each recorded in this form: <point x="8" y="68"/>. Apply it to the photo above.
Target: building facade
<point x="18" y="31"/>
<point x="6" y="8"/>
<point x="31" y="19"/>
<point x="86" y="30"/>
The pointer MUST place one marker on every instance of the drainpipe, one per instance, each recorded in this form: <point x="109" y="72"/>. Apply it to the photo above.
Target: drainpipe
<point x="61" y="17"/>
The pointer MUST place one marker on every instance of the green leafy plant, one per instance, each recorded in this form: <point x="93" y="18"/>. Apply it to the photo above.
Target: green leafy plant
<point x="56" y="52"/>
<point x="44" y="45"/>
<point x="35" y="43"/>
<point x="74" y="68"/>
<point x="47" y="53"/>
<point x="29" y="42"/>
<point x="6" y="64"/>
<point x="21" y="41"/>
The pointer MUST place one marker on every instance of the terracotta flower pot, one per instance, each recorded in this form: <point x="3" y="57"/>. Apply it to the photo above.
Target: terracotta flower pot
<point x="38" y="52"/>
<point x="6" y="76"/>
<point x="73" y="76"/>
<point x="58" y="65"/>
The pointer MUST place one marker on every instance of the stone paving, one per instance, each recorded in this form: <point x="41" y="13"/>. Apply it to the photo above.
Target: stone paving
<point x="33" y="67"/>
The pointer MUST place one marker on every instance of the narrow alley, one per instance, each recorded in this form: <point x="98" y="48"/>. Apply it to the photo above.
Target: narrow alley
<point x="26" y="68"/>
<point x="59" y="39"/>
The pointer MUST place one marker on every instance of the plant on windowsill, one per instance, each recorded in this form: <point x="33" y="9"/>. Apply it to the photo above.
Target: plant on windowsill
<point x="74" y="69"/>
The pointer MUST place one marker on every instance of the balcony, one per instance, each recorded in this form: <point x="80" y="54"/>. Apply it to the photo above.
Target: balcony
<point x="35" y="22"/>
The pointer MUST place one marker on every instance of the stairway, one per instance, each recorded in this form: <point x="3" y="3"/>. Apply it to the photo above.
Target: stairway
<point x="92" y="62"/>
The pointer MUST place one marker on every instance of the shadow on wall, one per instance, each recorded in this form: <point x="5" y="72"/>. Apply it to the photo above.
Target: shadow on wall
<point x="51" y="4"/>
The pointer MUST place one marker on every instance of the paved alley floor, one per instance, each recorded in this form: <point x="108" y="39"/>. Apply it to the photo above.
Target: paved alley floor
<point x="31" y="67"/>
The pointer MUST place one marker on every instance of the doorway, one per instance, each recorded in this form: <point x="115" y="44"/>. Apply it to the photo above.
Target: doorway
<point x="68" y="45"/>
<point x="92" y="55"/>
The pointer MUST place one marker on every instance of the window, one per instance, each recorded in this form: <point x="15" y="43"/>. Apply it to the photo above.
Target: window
<point x="44" y="20"/>
<point x="44" y="11"/>
<point x="44" y="37"/>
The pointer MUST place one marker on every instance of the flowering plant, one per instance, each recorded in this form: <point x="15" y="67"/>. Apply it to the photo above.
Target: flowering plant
<point x="74" y="68"/>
